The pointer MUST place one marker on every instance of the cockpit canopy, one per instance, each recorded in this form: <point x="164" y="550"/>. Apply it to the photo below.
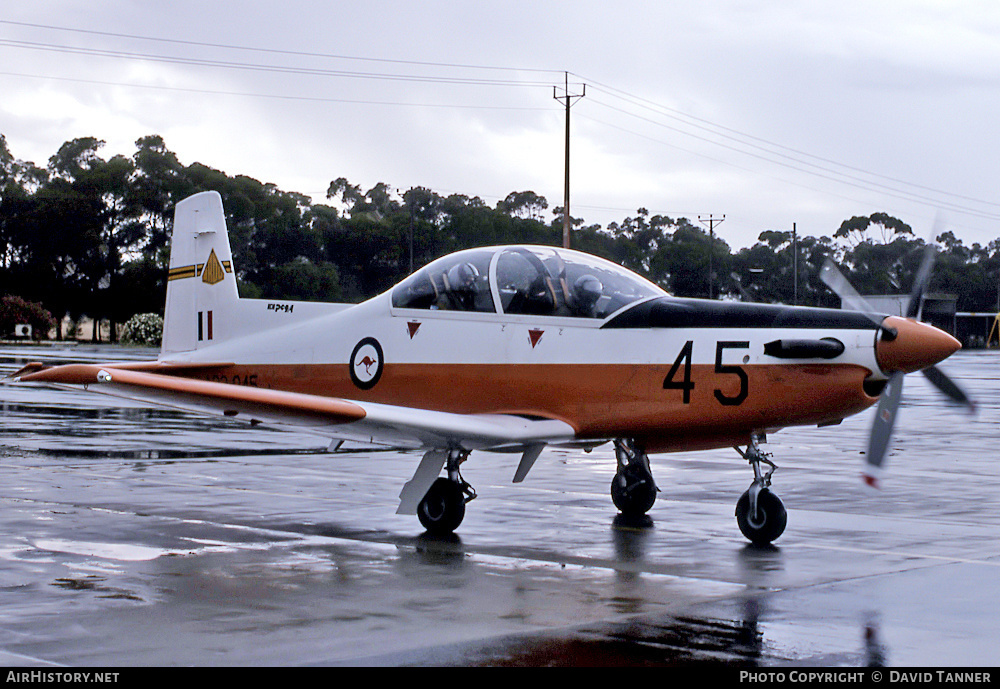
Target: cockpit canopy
<point x="524" y="280"/>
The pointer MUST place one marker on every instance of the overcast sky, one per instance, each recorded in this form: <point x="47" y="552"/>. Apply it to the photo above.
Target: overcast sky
<point x="770" y="113"/>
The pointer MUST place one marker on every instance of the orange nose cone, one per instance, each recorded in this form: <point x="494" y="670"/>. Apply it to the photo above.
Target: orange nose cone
<point x="916" y="346"/>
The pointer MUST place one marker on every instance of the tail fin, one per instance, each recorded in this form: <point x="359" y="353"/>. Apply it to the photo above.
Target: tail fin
<point x="201" y="286"/>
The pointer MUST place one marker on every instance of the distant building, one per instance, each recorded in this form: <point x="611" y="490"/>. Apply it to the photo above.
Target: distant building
<point x="972" y="329"/>
<point x="938" y="309"/>
<point x="977" y="329"/>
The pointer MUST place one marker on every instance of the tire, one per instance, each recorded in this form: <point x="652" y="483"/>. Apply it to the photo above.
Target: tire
<point x="768" y="524"/>
<point x="443" y="508"/>
<point x="632" y="499"/>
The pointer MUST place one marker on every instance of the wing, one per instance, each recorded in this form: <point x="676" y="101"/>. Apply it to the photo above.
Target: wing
<point x="366" y="422"/>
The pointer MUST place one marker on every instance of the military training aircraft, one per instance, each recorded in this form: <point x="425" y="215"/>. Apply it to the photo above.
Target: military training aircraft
<point x="514" y="348"/>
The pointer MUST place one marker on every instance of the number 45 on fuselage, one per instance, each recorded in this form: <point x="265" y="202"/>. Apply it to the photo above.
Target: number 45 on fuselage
<point x="512" y="348"/>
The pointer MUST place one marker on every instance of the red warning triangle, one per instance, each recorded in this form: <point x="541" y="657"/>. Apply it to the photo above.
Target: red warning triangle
<point x="413" y="327"/>
<point x="535" y="336"/>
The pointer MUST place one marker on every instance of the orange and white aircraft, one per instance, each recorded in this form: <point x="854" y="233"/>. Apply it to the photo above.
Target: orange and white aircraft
<point x="512" y="349"/>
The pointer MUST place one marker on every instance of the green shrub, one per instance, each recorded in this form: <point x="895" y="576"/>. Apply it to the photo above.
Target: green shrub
<point x="143" y="329"/>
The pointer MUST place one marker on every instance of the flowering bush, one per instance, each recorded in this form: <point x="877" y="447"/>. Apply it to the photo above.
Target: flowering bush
<point x="143" y="329"/>
<point x="16" y="311"/>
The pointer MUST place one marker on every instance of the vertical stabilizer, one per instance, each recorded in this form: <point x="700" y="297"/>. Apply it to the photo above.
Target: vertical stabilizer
<point x="201" y="287"/>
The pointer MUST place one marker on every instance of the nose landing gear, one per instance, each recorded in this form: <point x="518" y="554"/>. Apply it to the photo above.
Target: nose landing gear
<point x="760" y="514"/>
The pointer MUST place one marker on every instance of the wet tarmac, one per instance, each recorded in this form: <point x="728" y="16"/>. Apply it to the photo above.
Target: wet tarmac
<point x="132" y="536"/>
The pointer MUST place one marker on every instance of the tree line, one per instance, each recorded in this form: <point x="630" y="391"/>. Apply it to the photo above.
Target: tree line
<point x="85" y="235"/>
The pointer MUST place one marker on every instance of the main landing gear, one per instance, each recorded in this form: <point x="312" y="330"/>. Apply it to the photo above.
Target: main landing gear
<point x="439" y="502"/>
<point x="759" y="513"/>
<point x="632" y="490"/>
<point x="442" y="508"/>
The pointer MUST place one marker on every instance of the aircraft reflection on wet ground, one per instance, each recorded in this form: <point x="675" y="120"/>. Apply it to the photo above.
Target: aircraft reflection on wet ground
<point x="250" y="547"/>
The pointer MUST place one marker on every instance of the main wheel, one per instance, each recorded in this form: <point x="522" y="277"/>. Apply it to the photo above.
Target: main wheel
<point x="632" y="497"/>
<point x="768" y="523"/>
<point x="443" y="508"/>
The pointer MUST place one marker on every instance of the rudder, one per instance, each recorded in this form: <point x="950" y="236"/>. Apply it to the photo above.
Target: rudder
<point x="201" y="285"/>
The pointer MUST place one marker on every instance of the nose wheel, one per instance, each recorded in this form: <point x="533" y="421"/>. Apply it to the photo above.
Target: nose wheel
<point x="760" y="514"/>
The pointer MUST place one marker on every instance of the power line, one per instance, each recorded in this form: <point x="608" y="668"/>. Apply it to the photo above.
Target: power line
<point x="765" y="145"/>
<point x="247" y="94"/>
<point x="821" y="172"/>
<point x="741" y="138"/>
<point x="258" y="67"/>
<point x="729" y="163"/>
<point x="275" y="51"/>
<point x="632" y="105"/>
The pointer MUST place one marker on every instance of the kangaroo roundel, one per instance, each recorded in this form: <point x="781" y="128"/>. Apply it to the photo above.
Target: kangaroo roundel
<point x="366" y="363"/>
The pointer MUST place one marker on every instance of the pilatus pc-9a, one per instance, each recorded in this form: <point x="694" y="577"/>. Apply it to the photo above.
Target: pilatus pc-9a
<point x="515" y="348"/>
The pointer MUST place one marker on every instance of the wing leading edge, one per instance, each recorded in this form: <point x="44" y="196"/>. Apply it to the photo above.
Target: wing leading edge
<point x="366" y="422"/>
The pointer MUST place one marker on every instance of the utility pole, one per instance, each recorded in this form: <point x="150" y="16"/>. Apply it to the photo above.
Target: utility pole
<point x="568" y="99"/>
<point x="795" y="266"/>
<point x="409" y="207"/>
<point x="711" y="221"/>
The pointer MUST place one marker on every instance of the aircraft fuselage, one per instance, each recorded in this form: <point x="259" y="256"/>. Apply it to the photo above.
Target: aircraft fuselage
<point x="679" y="374"/>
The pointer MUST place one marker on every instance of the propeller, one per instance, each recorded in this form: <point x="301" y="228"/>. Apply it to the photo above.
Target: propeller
<point x="888" y="405"/>
<point x="923" y="277"/>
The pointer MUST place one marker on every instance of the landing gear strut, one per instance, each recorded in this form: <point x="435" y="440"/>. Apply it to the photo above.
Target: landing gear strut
<point x="632" y="490"/>
<point x="442" y="508"/>
<point x="759" y="513"/>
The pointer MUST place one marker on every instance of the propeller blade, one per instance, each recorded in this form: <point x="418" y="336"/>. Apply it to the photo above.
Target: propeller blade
<point x="913" y="308"/>
<point x="888" y="405"/>
<point x="885" y="419"/>
<point x="950" y="388"/>
<point x="836" y="281"/>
